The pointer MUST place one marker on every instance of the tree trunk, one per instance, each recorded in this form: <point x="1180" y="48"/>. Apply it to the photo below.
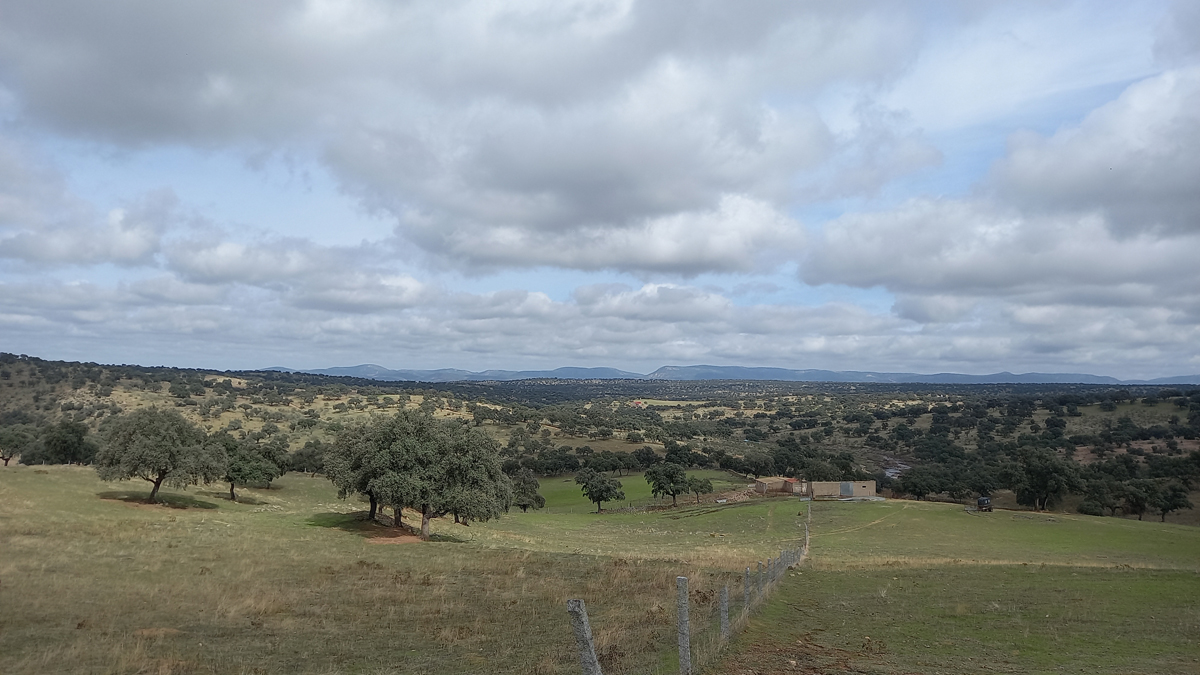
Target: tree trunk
<point x="374" y="507"/>
<point x="673" y="502"/>
<point x="426" y="516"/>
<point x="397" y="519"/>
<point x="154" y="491"/>
<point x="232" y="495"/>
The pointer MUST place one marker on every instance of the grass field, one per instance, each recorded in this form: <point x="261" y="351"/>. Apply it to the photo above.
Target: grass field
<point x="910" y="587"/>
<point x="293" y="580"/>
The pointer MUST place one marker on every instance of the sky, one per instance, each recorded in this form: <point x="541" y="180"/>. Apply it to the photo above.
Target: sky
<point x="901" y="186"/>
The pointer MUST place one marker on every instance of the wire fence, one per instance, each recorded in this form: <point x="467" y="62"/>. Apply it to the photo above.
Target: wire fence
<point x="700" y="642"/>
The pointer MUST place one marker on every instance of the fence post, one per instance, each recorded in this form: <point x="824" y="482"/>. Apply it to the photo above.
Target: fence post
<point x="746" y="590"/>
<point x="682" y="634"/>
<point x="760" y="579"/>
<point x="725" y="612"/>
<point x="583" y="637"/>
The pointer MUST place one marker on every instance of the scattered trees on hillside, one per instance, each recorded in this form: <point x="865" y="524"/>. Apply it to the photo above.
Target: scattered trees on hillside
<point x="412" y="460"/>
<point x="599" y="488"/>
<point x="667" y="479"/>
<point x="645" y="456"/>
<point x="160" y="447"/>
<point x="14" y="440"/>
<point x="310" y="458"/>
<point x="526" y="493"/>
<point x="699" y="486"/>
<point x="66" y="442"/>
<point x="250" y="463"/>
<point x="1044" y="479"/>
<point x="1169" y="499"/>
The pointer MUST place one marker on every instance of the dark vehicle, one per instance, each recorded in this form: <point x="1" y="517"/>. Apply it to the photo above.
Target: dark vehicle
<point x="985" y="504"/>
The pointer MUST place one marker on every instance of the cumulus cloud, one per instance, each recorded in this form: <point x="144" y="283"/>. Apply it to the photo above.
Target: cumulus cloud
<point x="975" y="246"/>
<point x="604" y="121"/>
<point x="42" y="222"/>
<point x="1135" y="160"/>
<point x="738" y="235"/>
<point x="1179" y="33"/>
<point x="657" y="151"/>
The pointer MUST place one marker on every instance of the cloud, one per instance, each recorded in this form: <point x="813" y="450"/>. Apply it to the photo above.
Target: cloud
<point x="1135" y="160"/>
<point x="659" y="152"/>
<point x="654" y="302"/>
<point x="975" y="246"/>
<point x="738" y="235"/>
<point x="608" y="122"/>
<point x="1179" y="34"/>
<point x="43" y="223"/>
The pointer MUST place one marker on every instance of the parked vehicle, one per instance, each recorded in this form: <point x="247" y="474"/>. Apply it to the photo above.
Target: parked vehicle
<point x="985" y="504"/>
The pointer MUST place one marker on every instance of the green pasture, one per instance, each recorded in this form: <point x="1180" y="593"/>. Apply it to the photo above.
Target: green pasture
<point x="911" y="587"/>
<point x="563" y="496"/>
<point x="720" y="536"/>
<point x="294" y="580"/>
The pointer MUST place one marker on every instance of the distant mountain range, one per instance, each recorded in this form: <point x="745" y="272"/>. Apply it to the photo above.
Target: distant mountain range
<point x="684" y="373"/>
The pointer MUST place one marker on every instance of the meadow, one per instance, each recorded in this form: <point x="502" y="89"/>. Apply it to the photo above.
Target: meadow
<point x="913" y="587"/>
<point x="293" y="580"/>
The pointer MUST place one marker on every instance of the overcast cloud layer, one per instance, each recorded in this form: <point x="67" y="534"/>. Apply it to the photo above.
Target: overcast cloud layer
<point x="917" y="186"/>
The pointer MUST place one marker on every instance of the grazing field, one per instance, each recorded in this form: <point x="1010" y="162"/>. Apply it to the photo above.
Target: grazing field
<point x="292" y="580"/>
<point x="910" y="587"/>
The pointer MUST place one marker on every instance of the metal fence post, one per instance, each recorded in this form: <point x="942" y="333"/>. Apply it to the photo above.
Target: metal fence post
<point x="682" y="634"/>
<point x="583" y="637"/>
<point x="725" y="612"/>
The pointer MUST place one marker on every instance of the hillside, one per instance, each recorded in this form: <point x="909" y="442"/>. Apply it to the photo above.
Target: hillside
<point x="965" y="439"/>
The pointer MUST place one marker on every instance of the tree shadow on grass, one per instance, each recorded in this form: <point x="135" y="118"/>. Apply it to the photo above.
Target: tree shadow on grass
<point x="358" y="523"/>
<point x="241" y="498"/>
<point x="173" y="501"/>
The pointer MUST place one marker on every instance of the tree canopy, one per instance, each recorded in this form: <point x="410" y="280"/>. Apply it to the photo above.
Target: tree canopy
<point x="161" y="447"/>
<point x="250" y="463"/>
<point x="599" y="488"/>
<point x="699" y="486"/>
<point x="14" y="440"/>
<point x="526" y="493"/>
<point x="667" y="479"/>
<point x="413" y="460"/>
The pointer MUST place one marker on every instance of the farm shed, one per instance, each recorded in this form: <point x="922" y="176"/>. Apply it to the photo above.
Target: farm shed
<point x="841" y="489"/>
<point x="776" y="485"/>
